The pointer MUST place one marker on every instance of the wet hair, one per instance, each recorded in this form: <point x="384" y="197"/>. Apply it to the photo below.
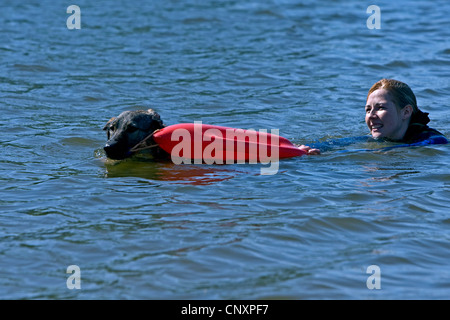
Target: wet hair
<point x="402" y="95"/>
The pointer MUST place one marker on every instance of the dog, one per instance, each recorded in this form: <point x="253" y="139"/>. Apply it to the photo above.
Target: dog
<point x="130" y="132"/>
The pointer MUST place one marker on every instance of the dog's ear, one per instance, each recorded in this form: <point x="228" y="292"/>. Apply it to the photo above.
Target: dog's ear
<point x="153" y="113"/>
<point x="109" y="123"/>
<point x="156" y="118"/>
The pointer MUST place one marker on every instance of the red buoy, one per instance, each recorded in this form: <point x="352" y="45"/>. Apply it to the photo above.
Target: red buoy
<point x="218" y="144"/>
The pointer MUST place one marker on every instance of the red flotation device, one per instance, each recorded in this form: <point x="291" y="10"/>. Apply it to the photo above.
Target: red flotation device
<point x="217" y="144"/>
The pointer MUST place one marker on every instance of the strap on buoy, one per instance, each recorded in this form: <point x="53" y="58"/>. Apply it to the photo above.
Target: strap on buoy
<point x="143" y="144"/>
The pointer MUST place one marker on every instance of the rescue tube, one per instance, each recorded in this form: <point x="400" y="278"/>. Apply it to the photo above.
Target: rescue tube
<point x="218" y="144"/>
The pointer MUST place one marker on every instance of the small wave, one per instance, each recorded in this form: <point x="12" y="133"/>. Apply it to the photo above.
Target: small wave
<point x="33" y="68"/>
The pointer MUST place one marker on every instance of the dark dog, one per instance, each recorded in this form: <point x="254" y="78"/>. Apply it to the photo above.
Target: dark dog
<point x="127" y="134"/>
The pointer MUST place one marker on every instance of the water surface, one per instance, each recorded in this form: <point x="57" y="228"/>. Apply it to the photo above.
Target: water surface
<point x="145" y="230"/>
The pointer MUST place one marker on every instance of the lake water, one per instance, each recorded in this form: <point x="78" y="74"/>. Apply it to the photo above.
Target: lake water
<point x="139" y="229"/>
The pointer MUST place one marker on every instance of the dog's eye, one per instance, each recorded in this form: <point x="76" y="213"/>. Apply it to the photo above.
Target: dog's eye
<point x="109" y="131"/>
<point x="131" y="128"/>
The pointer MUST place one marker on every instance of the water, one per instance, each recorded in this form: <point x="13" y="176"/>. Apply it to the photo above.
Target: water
<point x="145" y="230"/>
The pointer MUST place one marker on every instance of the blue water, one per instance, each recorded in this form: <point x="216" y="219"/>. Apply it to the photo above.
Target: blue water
<point x="144" y="230"/>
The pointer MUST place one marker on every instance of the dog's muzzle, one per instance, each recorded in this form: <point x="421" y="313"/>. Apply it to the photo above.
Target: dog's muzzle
<point x="116" y="151"/>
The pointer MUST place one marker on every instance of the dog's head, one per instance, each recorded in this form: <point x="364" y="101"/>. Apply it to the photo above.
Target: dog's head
<point x="128" y="129"/>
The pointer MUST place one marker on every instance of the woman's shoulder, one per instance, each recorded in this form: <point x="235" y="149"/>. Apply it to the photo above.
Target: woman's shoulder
<point x="423" y="133"/>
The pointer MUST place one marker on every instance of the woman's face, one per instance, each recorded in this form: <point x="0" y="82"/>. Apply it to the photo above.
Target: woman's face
<point x="383" y="117"/>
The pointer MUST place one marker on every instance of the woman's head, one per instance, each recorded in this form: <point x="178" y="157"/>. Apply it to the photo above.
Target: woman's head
<point x="389" y="108"/>
<point x="401" y="93"/>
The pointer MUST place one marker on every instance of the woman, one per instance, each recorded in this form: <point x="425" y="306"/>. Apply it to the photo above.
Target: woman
<point x="392" y="115"/>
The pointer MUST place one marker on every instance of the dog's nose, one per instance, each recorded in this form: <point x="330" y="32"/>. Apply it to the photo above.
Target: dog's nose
<point x="111" y="151"/>
<point x="107" y="148"/>
<point x="114" y="151"/>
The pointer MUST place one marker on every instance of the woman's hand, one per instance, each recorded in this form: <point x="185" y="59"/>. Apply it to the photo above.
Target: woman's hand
<point x="309" y="151"/>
